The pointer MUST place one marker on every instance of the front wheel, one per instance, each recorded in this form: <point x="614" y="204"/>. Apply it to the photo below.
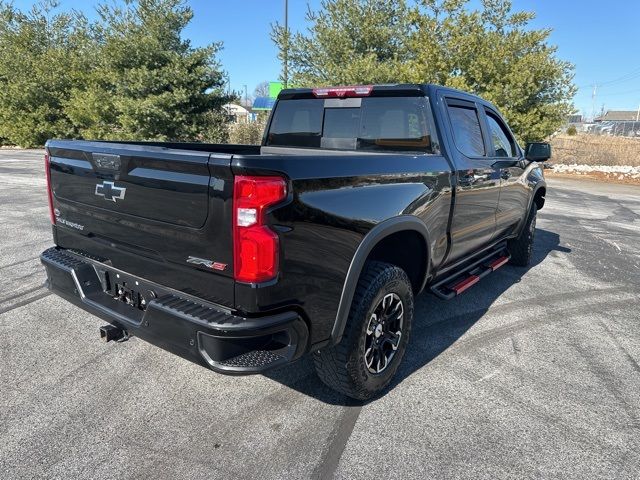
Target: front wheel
<point x="375" y="336"/>
<point x="521" y="247"/>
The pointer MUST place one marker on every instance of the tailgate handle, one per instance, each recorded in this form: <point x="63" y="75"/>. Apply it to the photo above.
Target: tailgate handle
<point x="107" y="161"/>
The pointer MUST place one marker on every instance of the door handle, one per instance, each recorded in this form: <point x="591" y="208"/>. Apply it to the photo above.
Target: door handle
<point x="505" y="174"/>
<point x="468" y="180"/>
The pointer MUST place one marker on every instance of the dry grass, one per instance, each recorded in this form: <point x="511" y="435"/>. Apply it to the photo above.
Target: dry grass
<point x="596" y="150"/>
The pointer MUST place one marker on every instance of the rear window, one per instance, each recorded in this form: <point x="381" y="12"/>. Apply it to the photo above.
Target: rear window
<point x="370" y="124"/>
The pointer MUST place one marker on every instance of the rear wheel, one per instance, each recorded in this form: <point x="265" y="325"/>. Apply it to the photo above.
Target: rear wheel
<point x="375" y="336"/>
<point x="521" y="247"/>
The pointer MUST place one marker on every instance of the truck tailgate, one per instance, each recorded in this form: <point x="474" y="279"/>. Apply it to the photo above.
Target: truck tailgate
<point x="148" y="210"/>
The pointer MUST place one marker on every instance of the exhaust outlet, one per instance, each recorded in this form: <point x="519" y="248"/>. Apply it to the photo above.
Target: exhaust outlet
<point x="111" y="332"/>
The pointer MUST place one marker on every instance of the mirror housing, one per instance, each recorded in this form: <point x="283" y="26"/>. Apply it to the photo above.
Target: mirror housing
<point x="537" y="151"/>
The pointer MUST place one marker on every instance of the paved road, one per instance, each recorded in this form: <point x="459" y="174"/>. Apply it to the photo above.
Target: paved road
<point x="532" y="373"/>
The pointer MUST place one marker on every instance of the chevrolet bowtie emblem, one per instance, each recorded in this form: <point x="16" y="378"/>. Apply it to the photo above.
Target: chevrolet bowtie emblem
<point x="110" y="192"/>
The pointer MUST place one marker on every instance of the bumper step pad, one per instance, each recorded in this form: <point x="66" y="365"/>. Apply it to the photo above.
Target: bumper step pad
<point x="255" y="358"/>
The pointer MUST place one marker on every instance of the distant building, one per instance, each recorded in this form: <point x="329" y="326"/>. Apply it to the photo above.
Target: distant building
<point x="618" y="116"/>
<point x="237" y="113"/>
<point x="620" y="123"/>
<point x="574" y="119"/>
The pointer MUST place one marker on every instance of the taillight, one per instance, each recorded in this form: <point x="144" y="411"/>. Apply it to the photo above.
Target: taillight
<point x="255" y="245"/>
<point x="47" y="170"/>
<point x="351" y="91"/>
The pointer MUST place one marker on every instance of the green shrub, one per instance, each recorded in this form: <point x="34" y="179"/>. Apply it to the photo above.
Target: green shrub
<point x="246" y="133"/>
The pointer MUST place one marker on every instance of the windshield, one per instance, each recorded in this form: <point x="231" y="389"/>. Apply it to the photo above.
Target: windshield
<point x="370" y="123"/>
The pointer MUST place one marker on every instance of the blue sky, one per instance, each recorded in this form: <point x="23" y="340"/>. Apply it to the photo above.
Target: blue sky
<point x="599" y="37"/>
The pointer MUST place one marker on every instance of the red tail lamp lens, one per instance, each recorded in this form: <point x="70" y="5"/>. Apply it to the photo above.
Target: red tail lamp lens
<point x="47" y="170"/>
<point x="340" y="92"/>
<point x="255" y="244"/>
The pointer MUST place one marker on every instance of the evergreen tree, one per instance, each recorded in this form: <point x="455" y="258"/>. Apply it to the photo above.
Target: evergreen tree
<point x="39" y="51"/>
<point x="147" y="82"/>
<point x="349" y="41"/>
<point x="129" y="75"/>
<point x="490" y="51"/>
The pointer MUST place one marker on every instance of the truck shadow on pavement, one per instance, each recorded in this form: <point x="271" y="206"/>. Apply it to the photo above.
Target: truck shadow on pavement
<point x="437" y="325"/>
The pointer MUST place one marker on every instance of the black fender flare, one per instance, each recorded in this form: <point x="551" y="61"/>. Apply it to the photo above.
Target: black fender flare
<point x="370" y="240"/>
<point x="536" y="176"/>
<point x="541" y="183"/>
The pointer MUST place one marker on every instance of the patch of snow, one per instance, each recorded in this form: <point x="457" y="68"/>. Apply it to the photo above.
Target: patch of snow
<point x="620" y="170"/>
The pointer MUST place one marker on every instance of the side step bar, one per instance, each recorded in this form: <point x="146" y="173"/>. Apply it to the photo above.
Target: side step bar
<point x="461" y="280"/>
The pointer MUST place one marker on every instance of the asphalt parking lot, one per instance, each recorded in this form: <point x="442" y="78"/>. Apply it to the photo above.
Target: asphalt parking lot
<point x="532" y="373"/>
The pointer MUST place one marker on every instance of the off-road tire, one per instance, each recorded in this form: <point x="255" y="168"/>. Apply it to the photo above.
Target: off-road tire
<point x="521" y="247"/>
<point x="342" y="366"/>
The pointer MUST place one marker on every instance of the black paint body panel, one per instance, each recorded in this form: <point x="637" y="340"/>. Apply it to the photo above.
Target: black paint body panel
<point x="336" y="201"/>
<point x="179" y="203"/>
<point x="159" y="223"/>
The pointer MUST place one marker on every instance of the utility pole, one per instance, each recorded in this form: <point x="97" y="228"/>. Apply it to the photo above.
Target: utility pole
<point x="246" y="101"/>
<point x="285" y="53"/>
<point x="638" y="114"/>
<point x="593" y="102"/>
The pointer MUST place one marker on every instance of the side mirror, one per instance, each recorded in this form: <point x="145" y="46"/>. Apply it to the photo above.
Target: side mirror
<point x="537" y="151"/>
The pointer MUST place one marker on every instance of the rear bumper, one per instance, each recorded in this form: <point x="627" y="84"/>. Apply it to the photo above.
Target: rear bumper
<point x="193" y="328"/>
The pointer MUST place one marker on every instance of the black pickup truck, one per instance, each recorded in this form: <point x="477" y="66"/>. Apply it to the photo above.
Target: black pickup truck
<point x="243" y="258"/>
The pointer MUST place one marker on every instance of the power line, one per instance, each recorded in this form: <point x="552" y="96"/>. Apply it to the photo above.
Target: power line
<point x="629" y="76"/>
<point x="632" y="75"/>
<point x="619" y="93"/>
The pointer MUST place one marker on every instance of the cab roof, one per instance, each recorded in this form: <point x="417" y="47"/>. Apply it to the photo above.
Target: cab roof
<point x="373" y="90"/>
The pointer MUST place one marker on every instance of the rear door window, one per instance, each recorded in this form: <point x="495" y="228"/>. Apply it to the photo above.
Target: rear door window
<point x="467" y="133"/>
<point x="367" y="124"/>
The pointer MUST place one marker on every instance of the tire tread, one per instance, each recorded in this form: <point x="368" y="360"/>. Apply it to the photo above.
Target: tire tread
<point x="332" y="363"/>
<point x="521" y="247"/>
